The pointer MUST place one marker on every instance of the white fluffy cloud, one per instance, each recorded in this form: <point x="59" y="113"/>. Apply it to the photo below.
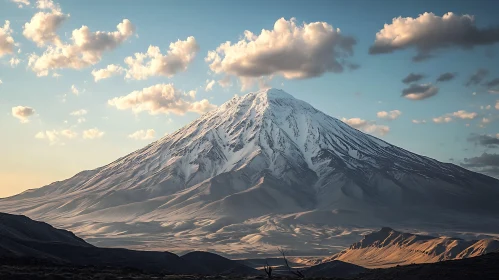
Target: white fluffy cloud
<point x="367" y="126"/>
<point x="23" y="113"/>
<point x="93" y="133"/>
<point x="429" y="32"/>
<point x="14" y="62"/>
<point x="209" y="85"/>
<point x="153" y="63"/>
<point x="75" y="90"/>
<point x="108" y="72"/>
<point x="462" y="114"/>
<point x="419" y="92"/>
<point x="21" y="3"/>
<point x="80" y="112"/>
<point x="289" y="50"/>
<point x="161" y="99"/>
<point x="86" y="49"/>
<point x="55" y="136"/>
<point x="442" y="119"/>
<point x="143" y="134"/>
<point x="43" y="26"/>
<point x="6" y="41"/>
<point x="392" y="115"/>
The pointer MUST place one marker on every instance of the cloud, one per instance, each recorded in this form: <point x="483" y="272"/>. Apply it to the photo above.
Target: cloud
<point x="486" y="120"/>
<point x="289" y="50"/>
<point x="442" y="119"/>
<point x="6" y="41"/>
<point x="93" y="133"/>
<point x="411" y="78"/>
<point x="108" y="72"/>
<point x="143" y="134"/>
<point x="86" y="49"/>
<point x="209" y="85"/>
<point x="392" y="115"/>
<point x="429" y="32"/>
<point x="462" y="114"/>
<point x="153" y="63"/>
<point x="81" y="120"/>
<point x="497" y="105"/>
<point x="446" y="77"/>
<point x="419" y="91"/>
<point x="484" y="140"/>
<point x="477" y="77"/>
<point x="74" y="90"/>
<point x="367" y="126"/>
<point x="162" y="99"/>
<point x="492" y="83"/>
<point x="54" y="136"/>
<point x="21" y="3"/>
<point x="485" y="163"/>
<point x="23" y="113"/>
<point x="80" y="112"/>
<point x="43" y="26"/>
<point x="14" y="62"/>
<point x="419" y="121"/>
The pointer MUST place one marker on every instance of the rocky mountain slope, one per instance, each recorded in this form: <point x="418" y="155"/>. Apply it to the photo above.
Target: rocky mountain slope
<point x="387" y="247"/>
<point x="263" y="169"/>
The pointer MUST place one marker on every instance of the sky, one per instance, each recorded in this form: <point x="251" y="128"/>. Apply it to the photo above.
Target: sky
<point x="83" y="83"/>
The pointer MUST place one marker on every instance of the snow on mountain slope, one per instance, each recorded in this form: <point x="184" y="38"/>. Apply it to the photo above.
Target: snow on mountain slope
<point x="264" y="168"/>
<point x="387" y="247"/>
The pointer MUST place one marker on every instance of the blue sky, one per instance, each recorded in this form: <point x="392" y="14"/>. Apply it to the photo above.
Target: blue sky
<point x="28" y="161"/>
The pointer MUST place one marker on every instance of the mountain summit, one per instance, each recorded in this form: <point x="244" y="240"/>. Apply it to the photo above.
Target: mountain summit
<point x="263" y="169"/>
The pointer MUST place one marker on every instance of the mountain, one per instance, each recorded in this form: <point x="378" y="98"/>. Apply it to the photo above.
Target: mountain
<point x="387" y="247"/>
<point x="260" y="171"/>
<point x="23" y="240"/>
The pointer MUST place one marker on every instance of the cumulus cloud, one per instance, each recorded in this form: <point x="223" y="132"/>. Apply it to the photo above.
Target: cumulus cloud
<point x="14" y="62"/>
<point x="80" y="112"/>
<point x="419" y="91"/>
<point x="477" y="77"/>
<point x="429" y="32"/>
<point x="446" y="77"/>
<point x="392" y="115"/>
<point x="367" y="126"/>
<point x="484" y="140"/>
<point x="75" y="90"/>
<point x="153" y="63"/>
<point x="442" y="119"/>
<point x="412" y="77"/>
<point x="86" y="49"/>
<point x="6" y="41"/>
<point x="93" y="133"/>
<point x="485" y="163"/>
<point x="21" y="3"/>
<point x="462" y="114"/>
<point x="289" y="50"/>
<point x="108" y="72"/>
<point x="161" y="99"/>
<point x="419" y="121"/>
<point x="23" y="113"/>
<point x="143" y="134"/>
<point x="43" y="26"/>
<point x="81" y="120"/>
<point x="54" y="137"/>
<point x="209" y="85"/>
